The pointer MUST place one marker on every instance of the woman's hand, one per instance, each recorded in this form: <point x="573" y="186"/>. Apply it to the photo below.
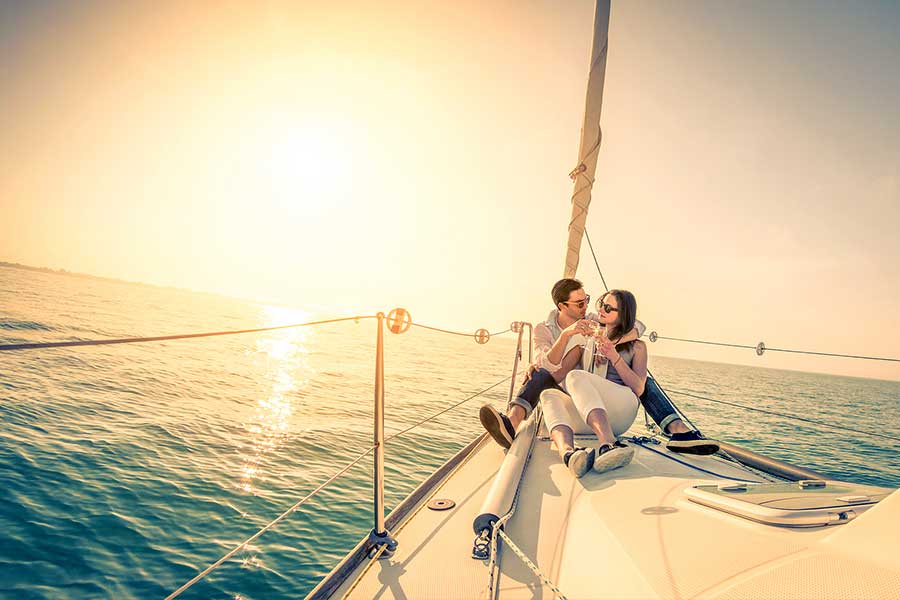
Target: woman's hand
<point x="608" y="349"/>
<point x="582" y="327"/>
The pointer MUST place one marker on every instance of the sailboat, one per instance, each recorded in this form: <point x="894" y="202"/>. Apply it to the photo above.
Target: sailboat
<point x="515" y="524"/>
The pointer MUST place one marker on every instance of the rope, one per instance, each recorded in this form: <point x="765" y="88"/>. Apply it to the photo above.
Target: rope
<point x="171" y="337"/>
<point x="244" y="544"/>
<point x="437" y="414"/>
<point x="531" y="565"/>
<point x="438" y="329"/>
<point x="637" y="441"/>
<point x="810" y="352"/>
<point x="789" y="416"/>
<point x="591" y="246"/>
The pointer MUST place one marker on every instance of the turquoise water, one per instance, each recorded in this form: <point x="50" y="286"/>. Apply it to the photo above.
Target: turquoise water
<point x="128" y="469"/>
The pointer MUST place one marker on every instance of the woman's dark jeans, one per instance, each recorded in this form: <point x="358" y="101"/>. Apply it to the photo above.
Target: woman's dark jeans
<point x="654" y="399"/>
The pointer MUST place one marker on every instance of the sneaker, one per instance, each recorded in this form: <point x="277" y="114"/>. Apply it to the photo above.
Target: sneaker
<point x="498" y="425"/>
<point x="692" y="442"/>
<point x="579" y="461"/>
<point x="612" y="457"/>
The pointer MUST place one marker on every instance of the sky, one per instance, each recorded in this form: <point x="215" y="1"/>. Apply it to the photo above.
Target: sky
<point x="351" y="157"/>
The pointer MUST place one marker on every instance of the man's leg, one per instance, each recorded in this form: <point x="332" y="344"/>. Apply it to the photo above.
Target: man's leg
<point x="682" y="438"/>
<point x="503" y="427"/>
<point x="516" y="415"/>
<point x="677" y="426"/>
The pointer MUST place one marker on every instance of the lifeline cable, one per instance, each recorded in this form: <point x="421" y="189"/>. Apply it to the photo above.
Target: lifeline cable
<point x="674" y="339"/>
<point x="767" y="349"/>
<point x="455" y="332"/>
<point x="244" y="544"/>
<point x="437" y="414"/>
<point x="788" y="416"/>
<point x="161" y="338"/>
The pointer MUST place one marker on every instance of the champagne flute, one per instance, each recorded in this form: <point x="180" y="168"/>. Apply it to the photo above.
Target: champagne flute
<point x="599" y="335"/>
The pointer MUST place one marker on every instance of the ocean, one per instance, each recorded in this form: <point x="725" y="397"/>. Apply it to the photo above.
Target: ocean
<point x="127" y="469"/>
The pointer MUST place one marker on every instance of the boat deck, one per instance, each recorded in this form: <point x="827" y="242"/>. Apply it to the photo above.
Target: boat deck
<point x="629" y="533"/>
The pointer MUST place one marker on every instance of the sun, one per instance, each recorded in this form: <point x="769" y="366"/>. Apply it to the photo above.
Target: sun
<point x="302" y="167"/>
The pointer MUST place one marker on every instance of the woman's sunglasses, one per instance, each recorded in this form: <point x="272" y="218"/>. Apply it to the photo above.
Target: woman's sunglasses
<point x="606" y="307"/>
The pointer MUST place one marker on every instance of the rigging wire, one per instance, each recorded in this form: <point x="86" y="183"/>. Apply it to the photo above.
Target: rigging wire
<point x="437" y="414"/>
<point x="591" y="246"/>
<point x="788" y="416"/>
<point x="244" y="544"/>
<point x="745" y="346"/>
<point x="767" y="349"/>
<point x="161" y="338"/>
<point x="637" y="441"/>
<point x="456" y="332"/>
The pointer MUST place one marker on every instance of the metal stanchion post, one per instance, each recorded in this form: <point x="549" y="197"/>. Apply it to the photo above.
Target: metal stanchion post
<point x="379" y="535"/>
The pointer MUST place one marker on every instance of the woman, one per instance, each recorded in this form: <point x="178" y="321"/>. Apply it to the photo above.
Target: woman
<point x="605" y="400"/>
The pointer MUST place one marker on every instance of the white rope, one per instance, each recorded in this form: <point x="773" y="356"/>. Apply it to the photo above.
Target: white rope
<point x="531" y="565"/>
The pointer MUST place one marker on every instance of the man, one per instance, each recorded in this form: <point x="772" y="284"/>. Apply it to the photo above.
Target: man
<point x="551" y="340"/>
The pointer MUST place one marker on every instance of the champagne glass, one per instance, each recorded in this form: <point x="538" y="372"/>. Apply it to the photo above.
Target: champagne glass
<point x="599" y="335"/>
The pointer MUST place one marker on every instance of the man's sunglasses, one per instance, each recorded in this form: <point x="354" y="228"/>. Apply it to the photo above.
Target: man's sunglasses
<point x="580" y="303"/>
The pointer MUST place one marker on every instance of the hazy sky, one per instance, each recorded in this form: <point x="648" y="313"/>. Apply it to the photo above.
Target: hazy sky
<point x="347" y="157"/>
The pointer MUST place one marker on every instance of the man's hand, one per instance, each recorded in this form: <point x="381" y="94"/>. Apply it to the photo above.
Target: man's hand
<point x="581" y="327"/>
<point x="528" y="373"/>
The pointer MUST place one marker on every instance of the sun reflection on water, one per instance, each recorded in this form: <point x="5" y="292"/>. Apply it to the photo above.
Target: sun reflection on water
<point x="281" y="356"/>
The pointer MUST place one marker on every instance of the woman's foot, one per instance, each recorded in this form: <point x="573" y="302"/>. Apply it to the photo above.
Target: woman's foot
<point x="579" y="461"/>
<point x="611" y="457"/>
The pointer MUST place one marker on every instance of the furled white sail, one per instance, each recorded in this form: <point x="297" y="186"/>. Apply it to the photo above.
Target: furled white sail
<point x="583" y="174"/>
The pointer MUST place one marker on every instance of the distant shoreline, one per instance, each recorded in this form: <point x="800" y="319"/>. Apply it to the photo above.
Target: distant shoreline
<point x="50" y="271"/>
<point x="21" y="267"/>
<point x="10" y="265"/>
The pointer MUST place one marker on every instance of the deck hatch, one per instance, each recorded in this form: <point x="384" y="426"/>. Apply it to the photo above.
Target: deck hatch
<point x="789" y="504"/>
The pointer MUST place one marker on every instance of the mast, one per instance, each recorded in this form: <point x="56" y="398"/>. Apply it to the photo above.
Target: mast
<point x="583" y="174"/>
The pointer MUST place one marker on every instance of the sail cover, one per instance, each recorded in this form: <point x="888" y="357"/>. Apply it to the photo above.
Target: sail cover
<point x="583" y="174"/>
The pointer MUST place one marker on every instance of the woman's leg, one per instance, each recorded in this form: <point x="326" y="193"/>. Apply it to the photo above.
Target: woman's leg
<point x="564" y="439"/>
<point x="598" y="421"/>
<point x="609" y="409"/>
<point x="558" y="410"/>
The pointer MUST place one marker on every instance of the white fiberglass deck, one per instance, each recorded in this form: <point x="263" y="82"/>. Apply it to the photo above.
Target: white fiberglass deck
<point x="630" y="533"/>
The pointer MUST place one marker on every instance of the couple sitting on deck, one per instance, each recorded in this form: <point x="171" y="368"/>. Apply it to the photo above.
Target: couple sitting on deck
<point x="589" y="375"/>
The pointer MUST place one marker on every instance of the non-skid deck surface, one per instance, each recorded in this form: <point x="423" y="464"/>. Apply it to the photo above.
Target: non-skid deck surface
<point x="630" y="533"/>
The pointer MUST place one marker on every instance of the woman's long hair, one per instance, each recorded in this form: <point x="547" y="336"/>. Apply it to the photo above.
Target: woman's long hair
<point x="627" y="315"/>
